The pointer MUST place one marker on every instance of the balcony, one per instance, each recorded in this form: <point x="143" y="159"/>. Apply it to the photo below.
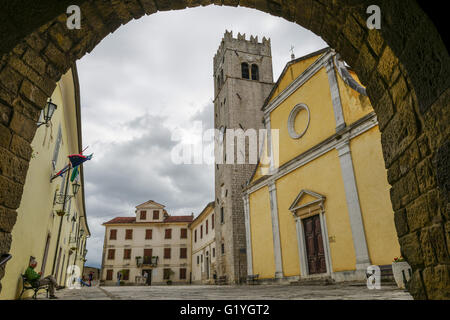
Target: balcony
<point x="147" y="261"/>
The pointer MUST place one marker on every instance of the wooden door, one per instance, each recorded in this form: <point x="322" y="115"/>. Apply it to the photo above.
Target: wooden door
<point x="149" y="276"/>
<point x="315" y="252"/>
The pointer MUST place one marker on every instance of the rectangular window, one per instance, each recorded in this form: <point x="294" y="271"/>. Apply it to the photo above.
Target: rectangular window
<point x="143" y="215"/>
<point x="111" y="254"/>
<point x="168" y="234"/>
<point x="183" y="234"/>
<point x="148" y="234"/>
<point x="127" y="254"/>
<point x="223" y="248"/>
<point x="167" y="272"/>
<point x="57" y="146"/>
<point x="67" y="206"/>
<point x="155" y="214"/>
<point x="206" y="227"/>
<point x="198" y="259"/>
<point x="201" y="232"/>
<point x="109" y="274"/>
<point x="63" y="183"/>
<point x="112" y="234"/>
<point x="183" y="253"/>
<point x="183" y="273"/>
<point x="222" y="218"/>
<point x="212" y="221"/>
<point x="128" y="234"/>
<point x="166" y="253"/>
<point x="214" y="252"/>
<point x="195" y="235"/>
<point x="148" y="252"/>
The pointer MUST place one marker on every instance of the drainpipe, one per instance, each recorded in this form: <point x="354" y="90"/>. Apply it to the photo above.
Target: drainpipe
<point x="76" y="250"/>
<point x="61" y="221"/>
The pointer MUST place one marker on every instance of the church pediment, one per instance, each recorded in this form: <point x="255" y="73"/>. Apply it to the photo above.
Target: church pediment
<point x="306" y="201"/>
<point x="150" y="205"/>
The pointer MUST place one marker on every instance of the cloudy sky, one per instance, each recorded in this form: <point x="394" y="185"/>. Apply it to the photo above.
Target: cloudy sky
<point x="147" y="81"/>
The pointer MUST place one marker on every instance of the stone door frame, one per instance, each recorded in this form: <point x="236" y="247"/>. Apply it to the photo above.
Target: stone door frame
<point x="306" y="211"/>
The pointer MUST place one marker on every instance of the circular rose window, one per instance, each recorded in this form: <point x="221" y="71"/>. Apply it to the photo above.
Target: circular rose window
<point x="291" y="121"/>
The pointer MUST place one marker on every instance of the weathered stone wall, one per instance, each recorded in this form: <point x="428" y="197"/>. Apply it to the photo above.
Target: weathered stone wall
<point x="405" y="67"/>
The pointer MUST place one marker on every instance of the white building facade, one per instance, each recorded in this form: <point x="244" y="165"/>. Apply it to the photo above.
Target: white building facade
<point x="203" y="242"/>
<point x="152" y="248"/>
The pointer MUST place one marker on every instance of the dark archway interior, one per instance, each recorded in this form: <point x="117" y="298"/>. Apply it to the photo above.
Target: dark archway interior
<point x="405" y="66"/>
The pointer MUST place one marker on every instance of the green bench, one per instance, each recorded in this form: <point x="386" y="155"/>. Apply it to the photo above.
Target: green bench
<point x="28" y="286"/>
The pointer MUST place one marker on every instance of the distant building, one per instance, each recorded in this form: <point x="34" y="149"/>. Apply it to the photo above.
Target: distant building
<point x="203" y="239"/>
<point x="151" y="248"/>
<point x="51" y="219"/>
<point x="321" y="206"/>
<point x="95" y="272"/>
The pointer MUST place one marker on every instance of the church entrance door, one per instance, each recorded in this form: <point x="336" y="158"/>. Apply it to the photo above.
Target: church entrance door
<point x="314" y="245"/>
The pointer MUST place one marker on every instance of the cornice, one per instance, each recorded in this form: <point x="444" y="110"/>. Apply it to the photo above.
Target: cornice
<point x="299" y="81"/>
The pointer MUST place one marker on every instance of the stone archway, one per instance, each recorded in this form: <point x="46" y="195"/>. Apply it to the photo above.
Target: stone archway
<point x="405" y="67"/>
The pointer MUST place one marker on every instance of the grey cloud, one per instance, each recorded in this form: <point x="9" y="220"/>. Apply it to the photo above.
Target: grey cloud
<point x="205" y="116"/>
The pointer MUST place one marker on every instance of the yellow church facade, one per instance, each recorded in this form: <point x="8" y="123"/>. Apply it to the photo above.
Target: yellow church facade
<point x="321" y="205"/>
<point x="51" y="223"/>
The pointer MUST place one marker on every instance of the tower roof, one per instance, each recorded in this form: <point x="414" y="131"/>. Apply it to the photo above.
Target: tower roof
<point x="240" y="43"/>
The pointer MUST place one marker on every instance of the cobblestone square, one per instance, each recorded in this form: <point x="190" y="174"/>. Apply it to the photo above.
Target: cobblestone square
<point x="257" y="292"/>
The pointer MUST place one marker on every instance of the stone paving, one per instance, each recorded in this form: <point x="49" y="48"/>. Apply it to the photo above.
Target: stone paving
<point x="257" y="292"/>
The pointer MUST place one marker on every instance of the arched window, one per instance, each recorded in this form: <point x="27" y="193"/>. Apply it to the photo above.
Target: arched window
<point x="255" y="72"/>
<point x="245" y="71"/>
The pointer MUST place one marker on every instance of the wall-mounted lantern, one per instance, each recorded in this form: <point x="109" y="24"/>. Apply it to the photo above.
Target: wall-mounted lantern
<point x="75" y="187"/>
<point x="48" y="112"/>
<point x="59" y="197"/>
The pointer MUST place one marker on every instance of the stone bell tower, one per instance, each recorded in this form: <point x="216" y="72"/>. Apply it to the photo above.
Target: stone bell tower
<point x="243" y="79"/>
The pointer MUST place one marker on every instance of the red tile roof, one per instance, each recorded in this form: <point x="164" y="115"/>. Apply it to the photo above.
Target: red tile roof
<point x="118" y="220"/>
<point x="121" y="220"/>
<point x="179" y="219"/>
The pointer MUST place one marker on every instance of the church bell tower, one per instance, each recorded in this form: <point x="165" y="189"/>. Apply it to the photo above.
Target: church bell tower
<point x="243" y="79"/>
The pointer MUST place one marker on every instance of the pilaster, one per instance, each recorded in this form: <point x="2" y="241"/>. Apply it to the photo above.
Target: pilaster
<point x="354" y="209"/>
